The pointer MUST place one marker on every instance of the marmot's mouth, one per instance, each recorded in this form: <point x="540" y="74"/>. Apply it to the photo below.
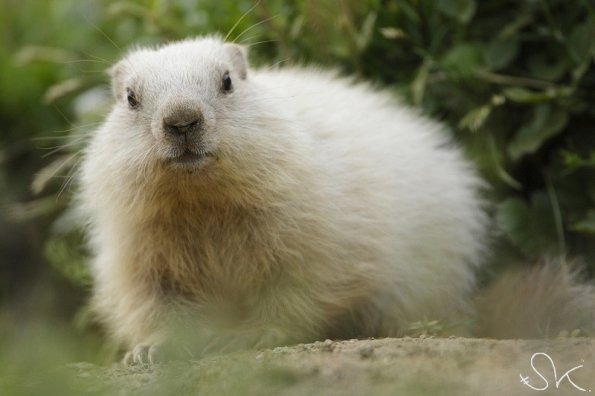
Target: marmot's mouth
<point x="190" y="158"/>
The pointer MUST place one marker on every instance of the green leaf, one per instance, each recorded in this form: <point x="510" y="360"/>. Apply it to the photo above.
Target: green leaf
<point x="500" y="53"/>
<point x="475" y="119"/>
<point x="392" y="33"/>
<point x="36" y="53"/>
<point x="66" y="256"/>
<point x="574" y="161"/>
<point x="548" y="66"/>
<point x="31" y="210"/>
<point x="461" y="10"/>
<point x="528" y="226"/>
<point x="63" y="88"/>
<point x="587" y="225"/>
<point x="524" y="95"/>
<point x="418" y="85"/>
<point x="512" y="218"/>
<point x="410" y="12"/>
<point x="546" y="122"/>
<point x="125" y="8"/>
<point x="463" y="60"/>
<point x="53" y="171"/>
<point x="495" y="156"/>
<point x="581" y="42"/>
<point x="364" y="37"/>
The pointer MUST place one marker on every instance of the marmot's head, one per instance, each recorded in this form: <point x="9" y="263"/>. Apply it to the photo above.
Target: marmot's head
<point x="177" y="99"/>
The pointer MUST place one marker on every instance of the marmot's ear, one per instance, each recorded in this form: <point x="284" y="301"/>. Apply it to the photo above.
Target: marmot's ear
<point x="239" y="58"/>
<point x="116" y="73"/>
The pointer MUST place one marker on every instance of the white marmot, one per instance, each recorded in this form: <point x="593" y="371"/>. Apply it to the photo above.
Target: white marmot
<point x="270" y="207"/>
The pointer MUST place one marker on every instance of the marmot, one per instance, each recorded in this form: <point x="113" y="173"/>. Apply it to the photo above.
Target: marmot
<point x="270" y="207"/>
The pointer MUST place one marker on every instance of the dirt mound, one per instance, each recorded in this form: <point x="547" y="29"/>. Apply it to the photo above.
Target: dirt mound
<point x="407" y="366"/>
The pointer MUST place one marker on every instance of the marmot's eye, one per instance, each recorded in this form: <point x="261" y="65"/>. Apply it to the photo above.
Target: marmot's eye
<point x="132" y="100"/>
<point x="226" y="83"/>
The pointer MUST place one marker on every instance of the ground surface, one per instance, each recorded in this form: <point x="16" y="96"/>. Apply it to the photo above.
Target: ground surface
<point x="408" y="366"/>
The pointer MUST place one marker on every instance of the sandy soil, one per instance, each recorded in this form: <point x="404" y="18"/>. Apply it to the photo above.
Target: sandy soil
<point x="407" y="366"/>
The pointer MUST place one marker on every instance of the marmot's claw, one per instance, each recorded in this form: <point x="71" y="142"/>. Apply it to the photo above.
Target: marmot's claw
<point x="141" y="355"/>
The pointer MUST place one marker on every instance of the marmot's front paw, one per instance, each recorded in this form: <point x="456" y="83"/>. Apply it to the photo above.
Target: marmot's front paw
<point x="141" y="354"/>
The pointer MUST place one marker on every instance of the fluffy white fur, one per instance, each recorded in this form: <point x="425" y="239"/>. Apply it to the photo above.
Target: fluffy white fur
<point x="326" y="208"/>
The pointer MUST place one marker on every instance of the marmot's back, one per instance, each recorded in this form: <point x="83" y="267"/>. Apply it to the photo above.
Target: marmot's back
<point x="397" y="172"/>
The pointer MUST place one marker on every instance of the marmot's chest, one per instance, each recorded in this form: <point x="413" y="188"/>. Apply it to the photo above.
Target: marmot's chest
<point x="207" y="260"/>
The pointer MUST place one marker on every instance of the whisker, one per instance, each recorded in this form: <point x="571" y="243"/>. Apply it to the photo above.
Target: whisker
<point x="104" y="34"/>
<point x="67" y="131"/>
<point x="255" y="25"/>
<point x="68" y="121"/>
<point x="50" y="138"/>
<point x="240" y="20"/>
<point x="98" y="58"/>
<point x="70" y="175"/>
<point x="277" y="64"/>
<point x="261" y="42"/>
<point x="85" y="61"/>
<point x="94" y="71"/>
<point x="55" y="150"/>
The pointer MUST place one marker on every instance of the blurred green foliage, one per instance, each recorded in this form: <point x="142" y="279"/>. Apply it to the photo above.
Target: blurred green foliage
<point x="514" y="79"/>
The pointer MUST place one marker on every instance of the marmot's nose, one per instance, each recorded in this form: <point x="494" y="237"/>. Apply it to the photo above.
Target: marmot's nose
<point x="183" y="122"/>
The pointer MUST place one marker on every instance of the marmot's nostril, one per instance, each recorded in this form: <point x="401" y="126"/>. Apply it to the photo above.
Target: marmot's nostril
<point x="180" y="124"/>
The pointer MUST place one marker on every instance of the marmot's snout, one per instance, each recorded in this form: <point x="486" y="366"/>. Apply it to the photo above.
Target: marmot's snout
<point x="181" y="128"/>
<point x="183" y="122"/>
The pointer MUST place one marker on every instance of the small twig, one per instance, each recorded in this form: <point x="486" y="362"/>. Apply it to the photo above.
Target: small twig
<point x="551" y="192"/>
<point x="504" y="79"/>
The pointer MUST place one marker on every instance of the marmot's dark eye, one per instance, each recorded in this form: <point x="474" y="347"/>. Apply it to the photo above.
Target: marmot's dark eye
<point x="132" y="100"/>
<point x="226" y="83"/>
